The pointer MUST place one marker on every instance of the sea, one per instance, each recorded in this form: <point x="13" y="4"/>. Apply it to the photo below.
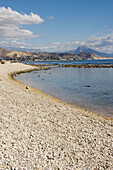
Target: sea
<point x="90" y="88"/>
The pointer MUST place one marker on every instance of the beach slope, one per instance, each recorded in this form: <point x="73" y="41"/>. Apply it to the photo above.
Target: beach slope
<point x="39" y="132"/>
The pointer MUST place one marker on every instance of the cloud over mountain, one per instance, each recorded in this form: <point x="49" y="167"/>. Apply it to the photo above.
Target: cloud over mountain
<point x="102" y="43"/>
<point x="12" y="24"/>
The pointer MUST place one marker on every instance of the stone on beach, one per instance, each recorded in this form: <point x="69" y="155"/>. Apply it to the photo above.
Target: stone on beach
<point x="38" y="131"/>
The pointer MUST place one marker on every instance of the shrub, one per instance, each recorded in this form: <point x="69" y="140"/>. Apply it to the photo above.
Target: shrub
<point x="2" y="62"/>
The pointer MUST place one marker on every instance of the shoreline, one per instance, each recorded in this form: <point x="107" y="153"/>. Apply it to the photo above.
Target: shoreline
<point x="93" y="112"/>
<point x="36" y="90"/>
<point x="41" y="125"/>
<point x="57" y="99"/>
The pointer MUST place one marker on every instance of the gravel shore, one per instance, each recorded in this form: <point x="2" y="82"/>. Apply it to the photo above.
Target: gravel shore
<point x="39" y="132"/>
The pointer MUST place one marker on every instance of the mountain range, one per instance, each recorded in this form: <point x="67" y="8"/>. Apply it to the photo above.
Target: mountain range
<point x="26" y="55"/>
<point x="76" y="51"/>
<point x="89" y="50"/>
<point x="81" y="53"/>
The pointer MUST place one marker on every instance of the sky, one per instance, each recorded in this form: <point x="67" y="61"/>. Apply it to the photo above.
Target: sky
<point x="57" y="25"/>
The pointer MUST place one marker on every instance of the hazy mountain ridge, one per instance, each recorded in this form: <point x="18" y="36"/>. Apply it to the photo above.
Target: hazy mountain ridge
<point x="35" y="56"/>
<point x="23" y="49"/>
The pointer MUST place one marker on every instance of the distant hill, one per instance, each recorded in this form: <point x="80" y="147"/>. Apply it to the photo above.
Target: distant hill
<point x="89" y="50"/>
<point x="27" y="55"/>
<point x="88" y="56"/>
<point x="45" y="56"/>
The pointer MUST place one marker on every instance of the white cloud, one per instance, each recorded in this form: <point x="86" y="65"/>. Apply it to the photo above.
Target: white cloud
<point x="102" y="43"/>
<point x="50" y="17"/>
<point x="9" y="17"/>
<point x="20" y="43"/>
<point x="14" y="43"/>
<point x="99" y="43"/>
<point x="3" y="43"/>
<point x="11" y="20"/>
<point x="12" y="33"/>
<point x="15" y="32"/>
<point x="55" y="43"/>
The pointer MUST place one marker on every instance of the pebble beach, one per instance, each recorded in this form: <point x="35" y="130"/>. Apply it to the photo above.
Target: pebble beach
<point x="39" y="132"/>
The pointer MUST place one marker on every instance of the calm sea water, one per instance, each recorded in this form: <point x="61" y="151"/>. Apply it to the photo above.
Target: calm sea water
<point x="71" y="62"/>
<point x="91" y="88"/>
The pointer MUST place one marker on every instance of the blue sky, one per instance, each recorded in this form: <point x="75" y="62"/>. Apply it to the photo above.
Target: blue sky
<point x="57" y="25"/>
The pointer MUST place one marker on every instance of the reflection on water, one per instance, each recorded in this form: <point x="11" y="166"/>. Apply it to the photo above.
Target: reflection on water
<point x="90" y="87"/>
